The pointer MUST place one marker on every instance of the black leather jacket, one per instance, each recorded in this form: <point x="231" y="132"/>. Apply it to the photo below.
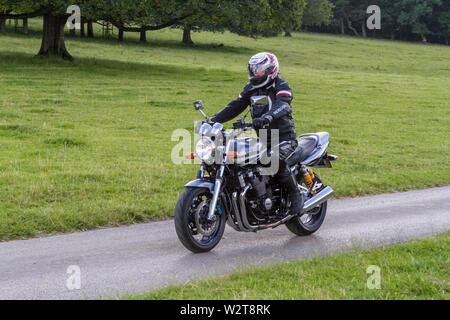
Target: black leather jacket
<point x="279" y="109"/>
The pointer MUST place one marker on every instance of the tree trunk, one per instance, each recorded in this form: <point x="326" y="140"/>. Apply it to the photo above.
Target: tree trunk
<point x="350" y="26"/>
<point x="72" y="32"/>
<point x="187" y="35"/>
<point x="2" y="25"/>
<point x="363" y="29"/>
<point x="446" y="41"/>
<point x="90" y="30"/>
<point x="82" y="33"/>
<point x="342" y="26"/>
<point x="120" y="34"/>
<point x="424" y="38"/>
<point x="53" y="37"/>
<point x="392" y="35"/>
<point x="25" y="26"/>
<point x="143" y="36"/>
<point x="287" y="33"/>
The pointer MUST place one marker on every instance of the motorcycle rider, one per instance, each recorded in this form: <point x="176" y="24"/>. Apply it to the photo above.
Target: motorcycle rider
<point x="263" y="70"/>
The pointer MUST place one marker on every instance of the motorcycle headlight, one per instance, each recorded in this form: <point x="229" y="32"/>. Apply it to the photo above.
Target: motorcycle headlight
<point x="204" y="149"/>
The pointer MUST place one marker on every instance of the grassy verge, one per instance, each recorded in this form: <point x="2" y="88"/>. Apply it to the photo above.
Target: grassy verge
<point x="415" y="270"/>
<point x="87" y="143"/>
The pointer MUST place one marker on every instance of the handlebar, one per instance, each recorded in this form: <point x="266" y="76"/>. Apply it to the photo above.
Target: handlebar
<point x="242" y="125"/>
<point x="245" y="126"/>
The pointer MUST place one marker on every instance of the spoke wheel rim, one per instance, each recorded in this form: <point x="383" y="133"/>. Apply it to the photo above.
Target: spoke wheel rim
<point x="202" y="232"/>
<point x="311" y="217"/>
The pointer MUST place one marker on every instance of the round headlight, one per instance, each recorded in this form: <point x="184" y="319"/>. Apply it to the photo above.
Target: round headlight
<point x="204" y="149"/>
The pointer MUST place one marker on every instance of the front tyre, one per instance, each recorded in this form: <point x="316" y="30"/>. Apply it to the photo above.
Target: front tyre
<point x="195" y="232"/>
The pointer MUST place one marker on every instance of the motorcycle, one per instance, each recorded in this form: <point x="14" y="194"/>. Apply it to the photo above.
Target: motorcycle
<point x="232" y="189"/>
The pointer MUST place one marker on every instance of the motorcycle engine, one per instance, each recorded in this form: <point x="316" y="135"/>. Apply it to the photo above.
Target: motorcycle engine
<point x="261" y="200"/>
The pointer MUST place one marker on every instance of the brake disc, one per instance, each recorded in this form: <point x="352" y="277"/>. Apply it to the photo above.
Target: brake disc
<point x="204" y="226"/>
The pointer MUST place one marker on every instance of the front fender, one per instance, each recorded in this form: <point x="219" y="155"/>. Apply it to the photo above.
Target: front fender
<point x="199" y="183"/>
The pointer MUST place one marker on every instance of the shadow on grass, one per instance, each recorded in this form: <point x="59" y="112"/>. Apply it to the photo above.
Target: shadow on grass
<point x="13" y="62"/>
<point x="10" y="60"/>
<point x="134" y="43"/>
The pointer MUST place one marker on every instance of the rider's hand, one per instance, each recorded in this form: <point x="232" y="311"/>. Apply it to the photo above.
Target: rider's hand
<point x="259" y="123"/>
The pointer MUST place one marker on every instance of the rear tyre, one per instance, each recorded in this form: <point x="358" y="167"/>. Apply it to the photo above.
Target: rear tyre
<point x="309" y="222"/>
<point x="195" y="232"/>
<point x="312" y="220"/>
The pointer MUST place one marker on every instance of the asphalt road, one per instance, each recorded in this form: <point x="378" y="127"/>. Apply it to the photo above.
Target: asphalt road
<point x="138" y="258"/>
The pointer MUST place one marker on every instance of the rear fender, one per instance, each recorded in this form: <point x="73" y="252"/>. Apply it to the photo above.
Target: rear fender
<point x="324" y="162"/>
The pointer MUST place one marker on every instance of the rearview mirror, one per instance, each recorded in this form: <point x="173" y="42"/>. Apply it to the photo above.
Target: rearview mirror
<point x="198" y="105"/>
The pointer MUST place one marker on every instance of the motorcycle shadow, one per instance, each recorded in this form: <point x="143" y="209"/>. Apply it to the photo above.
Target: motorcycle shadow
<point x="228" y="256"/>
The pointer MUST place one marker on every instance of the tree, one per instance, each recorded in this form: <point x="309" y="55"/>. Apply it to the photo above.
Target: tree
<point x="250" y="18"/>
<point x="443" y="30"/>
<point x="129" y="15"/>
<point x="413" y="16"/>
<point x="55" y="16"/>
<point x="340" y="9"/>
<point x="145" y="15"/>
<point x="389" y="12"/>
<point x="317" y="13"/>
<point x="244" y="17"/>
<point x="2" y="20"/>
<point x="90" y="29"/>
<point x="286" y="15"/>
<point x="351" y="14"/>
<point x="187" y="35"/>
<point x="406" y="19"/>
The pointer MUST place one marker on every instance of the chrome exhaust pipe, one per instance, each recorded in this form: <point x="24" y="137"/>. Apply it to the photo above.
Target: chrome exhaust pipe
<point x="241" y="212"/>
<point x="318" y="199"/>
<point x="247" y="225"/>
<point x="237" y="213"/>
<point x="276" y="224"/>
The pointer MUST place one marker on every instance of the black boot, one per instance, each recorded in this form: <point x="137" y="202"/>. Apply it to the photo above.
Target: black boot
<point x="295" y="196"/>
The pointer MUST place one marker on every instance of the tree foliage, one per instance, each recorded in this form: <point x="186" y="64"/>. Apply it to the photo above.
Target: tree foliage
<point x="317" y="13"/>
<point x="249" y="17"/>
<point x="426" y="20"/>
<point x="415" y="15"/>
<point x="245" y="17"/>
<point x="423" y="20"/>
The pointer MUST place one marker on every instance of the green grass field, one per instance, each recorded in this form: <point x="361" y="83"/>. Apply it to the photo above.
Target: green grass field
<point x="87" y="143"/>
<point x="416" y="270"/>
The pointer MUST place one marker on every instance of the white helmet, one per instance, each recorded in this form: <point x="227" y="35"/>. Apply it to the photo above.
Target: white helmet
<point x="263" y="68"/>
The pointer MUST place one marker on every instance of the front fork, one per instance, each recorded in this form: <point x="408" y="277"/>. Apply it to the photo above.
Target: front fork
<point x="216" y="193"/>
<point x="219" y="182"/>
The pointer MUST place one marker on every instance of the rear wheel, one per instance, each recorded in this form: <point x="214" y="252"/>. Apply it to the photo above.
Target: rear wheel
<point x="309" y="222"/>
<point x="194" y="230"/>
<point x="312" y="220"/>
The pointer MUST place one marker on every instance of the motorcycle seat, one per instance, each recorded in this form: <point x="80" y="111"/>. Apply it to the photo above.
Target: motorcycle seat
<point x="305" y="146"/>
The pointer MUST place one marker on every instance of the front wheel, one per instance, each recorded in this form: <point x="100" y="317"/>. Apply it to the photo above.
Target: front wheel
<point x="194" y="230"/>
